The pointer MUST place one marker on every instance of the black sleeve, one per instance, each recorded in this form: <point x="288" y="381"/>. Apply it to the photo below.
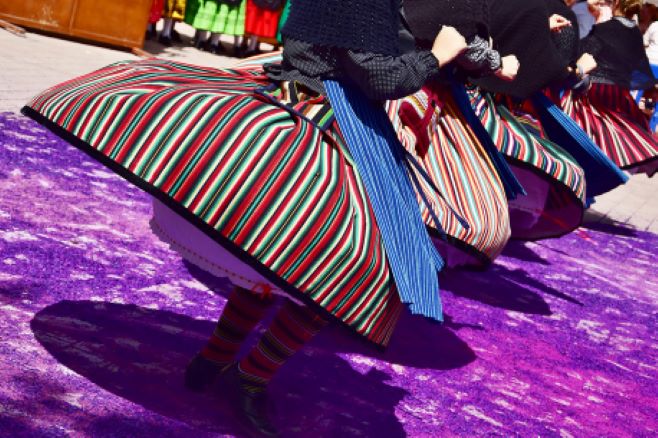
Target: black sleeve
<point x="383" y="77"/>
<point x="479" y="58"/>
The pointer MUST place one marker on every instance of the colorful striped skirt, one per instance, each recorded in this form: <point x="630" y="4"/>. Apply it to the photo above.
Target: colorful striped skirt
<point x="276" y="191"/>
<point x="612" y="119"/>
<point x="463" y="173"/>
<point x="262" y="22"/>
<point x="555" y="184"/>
<point x="216" y="17"/>
<point x="460" y="168"/>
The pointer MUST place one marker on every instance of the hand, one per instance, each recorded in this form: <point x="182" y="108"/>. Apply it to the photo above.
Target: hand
<point x="449" y="44"/>
<point x="557" y="22"/>
<point x="508" y="69"/>
<point x="601" y="10"/>
<point x="587" y="63"/>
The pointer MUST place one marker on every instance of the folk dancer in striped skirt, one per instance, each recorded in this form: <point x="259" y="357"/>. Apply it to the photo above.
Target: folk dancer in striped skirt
<point x="551" y="176"/>
<point x="254" y="180"/>
<point x="607" y="111"/>
<point x="434" y="126"/>
<point x="601" y="173"/>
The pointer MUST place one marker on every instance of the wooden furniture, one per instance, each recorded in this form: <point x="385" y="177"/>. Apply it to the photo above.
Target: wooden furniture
<point x="115" y="22"/>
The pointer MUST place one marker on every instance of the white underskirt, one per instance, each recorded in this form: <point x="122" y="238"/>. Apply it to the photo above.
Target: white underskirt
<point x="199" y="249"/>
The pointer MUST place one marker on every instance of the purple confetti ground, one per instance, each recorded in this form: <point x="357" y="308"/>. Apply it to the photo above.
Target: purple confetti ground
<point x="99" y="319"/>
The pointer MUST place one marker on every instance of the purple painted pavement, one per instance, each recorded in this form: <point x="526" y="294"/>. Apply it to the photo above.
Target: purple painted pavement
<point x="99" y="319"/>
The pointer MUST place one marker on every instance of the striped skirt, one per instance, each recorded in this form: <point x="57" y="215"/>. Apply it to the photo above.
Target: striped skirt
<point x="276" y="191"/>
<point x="555" y="184"/>
<point x="460" y="168"/>
<point x="216" y="17"/>
<point x="612" y="119"/>
<point x="463" y="173"/>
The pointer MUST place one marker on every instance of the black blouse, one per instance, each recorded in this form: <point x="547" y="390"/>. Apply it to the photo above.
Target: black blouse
<point x="380" y="77"/>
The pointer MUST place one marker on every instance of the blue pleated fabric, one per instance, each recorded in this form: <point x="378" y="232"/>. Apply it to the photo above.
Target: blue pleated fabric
<point x="513" y="187"/>
<point x="601" y="173"/>
<point x="381" y="162"/>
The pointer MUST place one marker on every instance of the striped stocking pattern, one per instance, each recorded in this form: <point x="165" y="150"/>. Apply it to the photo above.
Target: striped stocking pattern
<point x="292" y="327"/>
<point x="243" y="311"/>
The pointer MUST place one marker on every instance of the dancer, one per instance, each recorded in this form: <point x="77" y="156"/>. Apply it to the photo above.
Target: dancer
<point x="212" y="19"/>
<point x="154" y="16"/>
<point x="256" y="165"/>
<point x="262" y="22"/>
<point x="174" y="11"/>
<point x="553" y="182"/>
<point x="553" y="179"/>
<point x="601" y="174"/>
<point x="434" y="128"/>
<point x="607" y="112"/>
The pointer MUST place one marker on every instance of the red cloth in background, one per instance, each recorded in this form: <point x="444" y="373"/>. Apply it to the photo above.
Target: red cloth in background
<point x="156" y="11"/>
<point x="261" y="22"/>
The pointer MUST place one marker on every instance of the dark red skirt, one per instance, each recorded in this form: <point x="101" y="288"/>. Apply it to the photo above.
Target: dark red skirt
<point x="612" y="119"/>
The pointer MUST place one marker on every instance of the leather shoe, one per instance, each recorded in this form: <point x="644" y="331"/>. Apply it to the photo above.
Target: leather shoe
<point x="201" y="373"/>
<point x="251" y="408"/>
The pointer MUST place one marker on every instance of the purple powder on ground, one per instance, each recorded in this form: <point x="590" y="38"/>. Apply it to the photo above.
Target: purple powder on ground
<point x="99" y="319"/>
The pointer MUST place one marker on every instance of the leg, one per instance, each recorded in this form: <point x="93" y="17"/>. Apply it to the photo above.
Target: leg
<point x="292" y="327"/>
<point x="165" y="35"/>
<point x="215" y="45"/>
<point x="243" y="311"/>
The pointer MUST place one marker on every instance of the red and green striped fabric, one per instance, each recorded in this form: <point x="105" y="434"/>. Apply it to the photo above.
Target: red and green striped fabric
<point x="519" y="137"/>
<point x="274" y="189"/>
<point x="612" y="119"/>
<point x="513" y="134"/>
<point x="461" y="169"/>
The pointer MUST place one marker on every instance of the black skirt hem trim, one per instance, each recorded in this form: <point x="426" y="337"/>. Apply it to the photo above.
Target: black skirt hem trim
<point x="194" y="220"/>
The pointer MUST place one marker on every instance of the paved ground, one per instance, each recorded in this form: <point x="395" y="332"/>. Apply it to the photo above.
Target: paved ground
<point x="34" y="62"/>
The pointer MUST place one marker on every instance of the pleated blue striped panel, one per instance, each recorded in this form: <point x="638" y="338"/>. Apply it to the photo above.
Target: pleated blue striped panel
<point x="380" y="160"/>
<point x="601" y="173"/>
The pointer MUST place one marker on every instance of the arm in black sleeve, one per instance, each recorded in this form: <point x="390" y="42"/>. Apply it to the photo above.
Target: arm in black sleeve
<point x="479" y="58"/>
<point x="383" y="77"/>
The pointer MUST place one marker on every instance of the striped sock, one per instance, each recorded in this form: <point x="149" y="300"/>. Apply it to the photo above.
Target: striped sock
<point x="243" y="311"/>
<point x="292" y="327"/>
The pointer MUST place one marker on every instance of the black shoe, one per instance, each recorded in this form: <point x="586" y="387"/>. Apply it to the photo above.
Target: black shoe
<point x="250" y="53"/>
<point x="199" y="43"/>
<point x="201" y="373"/>
<point x="215" y="48"/>
<point x="252" y="408"/>
<point x="151" y="33"/>
<point x="175" y="36"/>
<point x="238" y="52"/>
<point x="165" y="41"/>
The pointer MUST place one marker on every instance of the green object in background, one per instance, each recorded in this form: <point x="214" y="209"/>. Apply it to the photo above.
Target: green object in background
<point x="216" y="17"/>
<point x="284" y="18"/>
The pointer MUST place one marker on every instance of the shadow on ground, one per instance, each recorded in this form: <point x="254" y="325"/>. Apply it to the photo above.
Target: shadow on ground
<point x="139" y="354"/>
